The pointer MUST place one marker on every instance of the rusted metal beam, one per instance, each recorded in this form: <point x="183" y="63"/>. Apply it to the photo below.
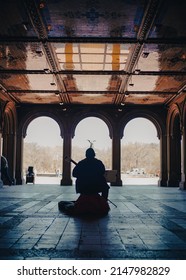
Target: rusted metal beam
<point x="92" y="92"/>
<point x="111" y="40"/>
<point x="91" y="72"/>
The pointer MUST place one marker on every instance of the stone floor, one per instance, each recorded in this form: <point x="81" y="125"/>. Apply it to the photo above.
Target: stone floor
<point x="149" y="222"/>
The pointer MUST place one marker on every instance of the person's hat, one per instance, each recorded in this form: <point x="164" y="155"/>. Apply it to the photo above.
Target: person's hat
<point x="90" y="153"/>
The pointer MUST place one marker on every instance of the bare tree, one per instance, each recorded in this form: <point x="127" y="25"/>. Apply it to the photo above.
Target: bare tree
<point x="133" y="155"/>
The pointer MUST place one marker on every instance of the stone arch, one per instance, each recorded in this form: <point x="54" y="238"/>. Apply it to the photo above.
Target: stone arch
<point x="21" y="134"/>
<point x="160" y="126"/>
<point x="82" y="116"/>
<point x="10" y="118"/>
<point x="174" y="145"/>
<point x="173" y="112"/>
<point x="35" y="114"/>
<point x="157" y="121"/>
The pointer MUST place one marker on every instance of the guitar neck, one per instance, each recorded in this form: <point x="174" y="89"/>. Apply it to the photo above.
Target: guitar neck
<point x="74" y="162"/>
<point x="70" y="160"/>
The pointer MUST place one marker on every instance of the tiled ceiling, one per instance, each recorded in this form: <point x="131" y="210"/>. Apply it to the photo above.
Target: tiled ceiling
<point x="92" y="52"/>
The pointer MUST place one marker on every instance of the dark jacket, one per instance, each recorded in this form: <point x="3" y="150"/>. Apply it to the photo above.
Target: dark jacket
<point x="90" y="176"/>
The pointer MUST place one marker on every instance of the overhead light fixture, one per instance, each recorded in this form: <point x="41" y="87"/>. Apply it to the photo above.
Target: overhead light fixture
<point x="53" y="82"/>
<point x="157" y="27"/>
<point x="46" y="70"/>
<point x="137" y="71"/>
<point x="145" y="54"/>
<point x="61" y="103"/>
<point x="42" y="4"/>
<point x="49" y="27"/>
<point x="39" y="52"/>
<point x="131" y="84"/>
<point x="25" y="25"/>
<point x="122" y="104"/>
<point x="136" y="28"/>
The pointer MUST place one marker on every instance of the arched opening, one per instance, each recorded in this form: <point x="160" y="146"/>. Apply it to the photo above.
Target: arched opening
<point x="92" y="130"/>
<point x="174" y="153"/>
<point x="177" y="146"/>
<point x="140" y="153"/>
<point x="43" y="150"/>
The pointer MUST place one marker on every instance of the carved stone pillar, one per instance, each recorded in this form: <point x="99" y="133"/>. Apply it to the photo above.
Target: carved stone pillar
<point x="67" y="148"/>
<point x="19" y="160"/>
<point x="163" y="161"/>
<point x="116" y="156"/>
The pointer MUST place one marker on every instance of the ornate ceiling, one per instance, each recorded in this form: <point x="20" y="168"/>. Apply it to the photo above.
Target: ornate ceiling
<point x="92" y="51"/>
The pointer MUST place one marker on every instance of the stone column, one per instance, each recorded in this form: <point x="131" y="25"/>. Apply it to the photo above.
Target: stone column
<point x="163" y="161"/>
<point x="9" y="151"/>
<point x="5" y="152"/>
<point x="174" y="158"/>
<point x="19" y="160"/>
<point x="183" y="160"/>
<point x="116" y="156"/>
<point x="67" y="149"/>
<point x="1" y="182"/>
<point x="1" y="128"/>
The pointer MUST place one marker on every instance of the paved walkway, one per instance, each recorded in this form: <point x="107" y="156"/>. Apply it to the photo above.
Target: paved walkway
<point x="149" y="222"/>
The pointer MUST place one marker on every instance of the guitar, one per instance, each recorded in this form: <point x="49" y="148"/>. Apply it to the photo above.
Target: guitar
<point x="70" y="160"/>
<point x="74" y="162"/>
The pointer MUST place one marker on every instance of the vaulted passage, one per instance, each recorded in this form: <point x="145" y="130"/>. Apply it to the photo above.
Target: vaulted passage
<point x="92" y="68"/>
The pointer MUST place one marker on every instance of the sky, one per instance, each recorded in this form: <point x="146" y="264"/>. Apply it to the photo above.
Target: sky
<point x="45" y="132"/>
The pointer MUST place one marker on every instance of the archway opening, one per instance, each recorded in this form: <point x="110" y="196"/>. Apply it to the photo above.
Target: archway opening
<point x="140" y="153"/>
<point x="43" y="150"/>
<point x="177" y="136"/>
<point x="174" y="164"/>
<point x="92" y="130"/>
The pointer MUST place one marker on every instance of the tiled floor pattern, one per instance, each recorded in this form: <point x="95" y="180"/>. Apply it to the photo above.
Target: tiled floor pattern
<point x="149" y="222"/>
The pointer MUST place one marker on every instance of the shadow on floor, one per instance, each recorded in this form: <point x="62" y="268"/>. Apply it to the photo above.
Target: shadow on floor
<point x="149" y="222"/>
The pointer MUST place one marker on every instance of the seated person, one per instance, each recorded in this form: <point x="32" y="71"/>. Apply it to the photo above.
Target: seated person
<point x="5" y="171"/>
<point x="89" y="183"/>
<point x="90" y="175"/>
<point x="30" y="175"/>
